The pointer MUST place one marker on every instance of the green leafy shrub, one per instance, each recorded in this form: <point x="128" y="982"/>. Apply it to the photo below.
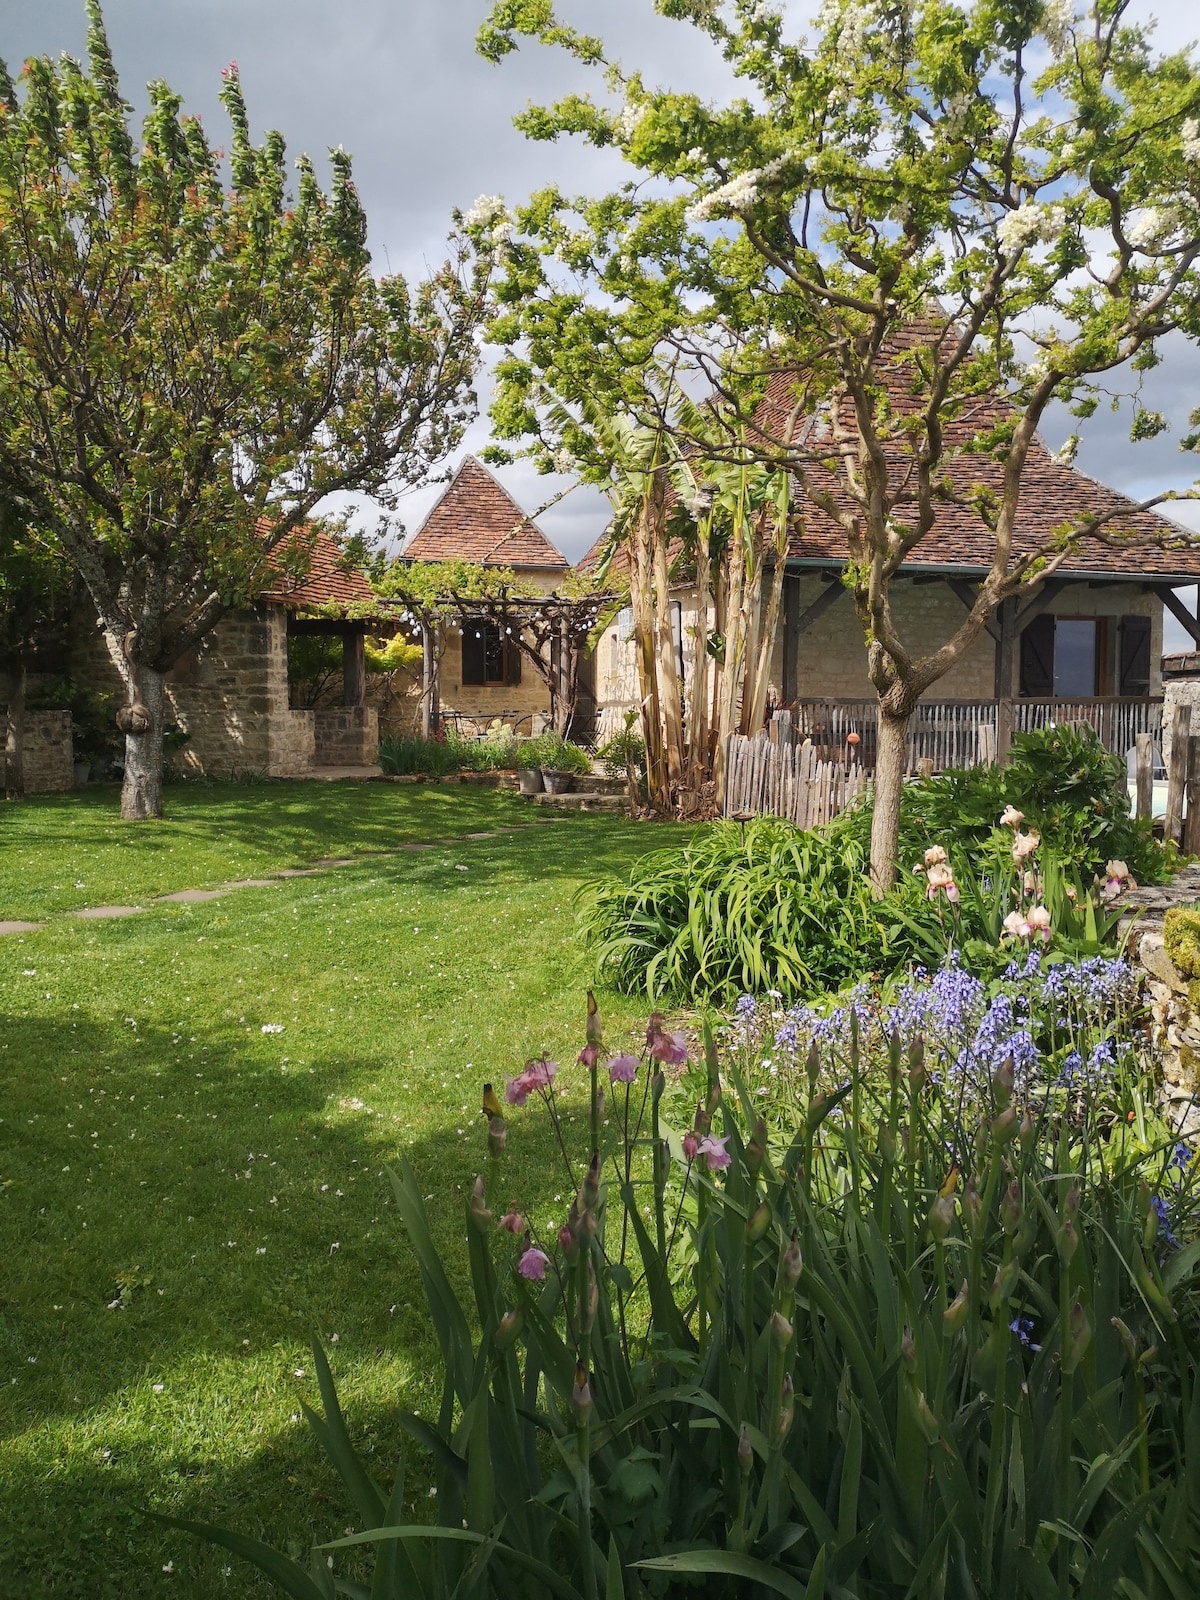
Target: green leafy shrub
<point x="770" y="907"/>
<point x="1181" y="935"/>
<point x="551" y="752"/>
<point x="901" y="1345"/>
<point x="1070" y="789"/>
<point x="624" y="750"/>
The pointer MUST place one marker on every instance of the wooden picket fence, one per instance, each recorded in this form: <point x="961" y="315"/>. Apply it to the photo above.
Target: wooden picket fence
<point x="780" y="779"/>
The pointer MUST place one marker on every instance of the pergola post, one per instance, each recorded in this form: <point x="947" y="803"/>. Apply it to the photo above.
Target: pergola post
<point x="354" y="668"/>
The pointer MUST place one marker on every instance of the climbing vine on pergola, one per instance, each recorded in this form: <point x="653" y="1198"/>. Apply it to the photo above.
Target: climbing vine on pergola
<point x="553" y="631"/>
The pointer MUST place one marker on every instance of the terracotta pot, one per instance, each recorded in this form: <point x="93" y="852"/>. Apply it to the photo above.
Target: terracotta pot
<point x="530" y="780"/>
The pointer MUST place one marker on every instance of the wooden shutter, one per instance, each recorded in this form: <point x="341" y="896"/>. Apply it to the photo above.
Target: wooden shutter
<point x="474" y="650"/>
<point x="1133" y="676"/>
<point x="1037" y="658"/>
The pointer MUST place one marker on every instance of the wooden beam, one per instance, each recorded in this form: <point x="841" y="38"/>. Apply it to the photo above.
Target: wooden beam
<point x="1050" y="592"/>
<point x="331" y="627"/>
<point x="1005" y="651"/>
<point x="1177" y="771"/>
<point x="968" y="593"/>
<point x="354" y="670"/>
<point x="819" y="607"/>
<point x="1177" y="609"/>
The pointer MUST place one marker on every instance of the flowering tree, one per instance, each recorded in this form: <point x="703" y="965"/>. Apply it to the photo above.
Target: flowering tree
<point x="186" y="371"/>
<point x="933" y="219"/>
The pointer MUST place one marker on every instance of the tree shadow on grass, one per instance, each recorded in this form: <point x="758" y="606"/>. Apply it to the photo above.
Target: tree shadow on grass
<point x="168" y="1227"/>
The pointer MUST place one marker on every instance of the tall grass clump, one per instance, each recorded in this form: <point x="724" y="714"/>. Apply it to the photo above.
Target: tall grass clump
<point x="904" y="1340"/>
<point x="768" y="906"/>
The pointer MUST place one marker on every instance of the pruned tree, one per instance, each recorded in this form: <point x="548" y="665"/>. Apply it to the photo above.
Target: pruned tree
<point x="936" y="220"/>
<point x="188" y="368"/>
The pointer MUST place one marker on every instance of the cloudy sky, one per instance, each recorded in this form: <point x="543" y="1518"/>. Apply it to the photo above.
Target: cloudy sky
<point x="397" y="82"/>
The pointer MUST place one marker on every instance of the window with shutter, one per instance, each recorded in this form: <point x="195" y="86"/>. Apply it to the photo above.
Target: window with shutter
<point x="1037" y="658"/>
<point x="1133" y="676"/>
<point x="489" y="656"/>
<point x="474" y="650"/>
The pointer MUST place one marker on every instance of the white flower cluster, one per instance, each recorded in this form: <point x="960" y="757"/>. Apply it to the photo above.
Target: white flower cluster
<point x="849" y="20"/>
<point x="563" y="460"/>
<point x="1057" y="22"/>
<point x="1156" y="226"/>
<point x="1070" y="449"/>
<point x="487" y="209"/>
<point x="628" y="122"/>
<point x="739" y="194"/>
<point x="1030" y="224"/>
<point x="763" y="11"/>
<point x="1191" y="140"/>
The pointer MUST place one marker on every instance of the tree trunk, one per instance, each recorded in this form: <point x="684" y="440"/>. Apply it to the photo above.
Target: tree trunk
<point x="668" y="672"/>
<point x="890" y="758"/>
<point x="766" y="647"/>
<point x="14" y="739"/>
<point x="697" y="718"/>
<point x="430" y="710"/>
<point x="142" y="790"/>
<point x="657" y="786"/>
<point x="731" y="670"/>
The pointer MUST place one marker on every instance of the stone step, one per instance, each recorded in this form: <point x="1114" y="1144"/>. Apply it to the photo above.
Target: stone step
<point x="613" y="804"/>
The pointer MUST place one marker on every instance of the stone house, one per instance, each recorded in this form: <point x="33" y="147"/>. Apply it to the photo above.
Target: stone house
<point x="480" y="673"/>
<point x="230" y="694"/>
<point x="1088" y="638"/>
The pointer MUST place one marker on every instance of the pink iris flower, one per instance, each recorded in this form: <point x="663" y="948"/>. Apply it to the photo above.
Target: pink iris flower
<point x="714" y="1152"/>
<point x="533" y="1264"/>
<point x="512" y="1222"/>
<point x="623" y="1069"/>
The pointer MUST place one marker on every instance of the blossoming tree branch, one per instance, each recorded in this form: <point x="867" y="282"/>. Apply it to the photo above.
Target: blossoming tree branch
<point x="982" y="208"/>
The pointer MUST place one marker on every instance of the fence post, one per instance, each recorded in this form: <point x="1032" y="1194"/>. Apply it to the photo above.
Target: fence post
<point x="987" y="744"/>
<point x="1177" y="772"/>
<point x="1145" y="774"/>
<point x="1191" y="830"/>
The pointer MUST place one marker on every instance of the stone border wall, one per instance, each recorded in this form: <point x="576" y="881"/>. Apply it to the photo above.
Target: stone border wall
<point x="49" y="758"/>
<point x="1174" y="1021"/>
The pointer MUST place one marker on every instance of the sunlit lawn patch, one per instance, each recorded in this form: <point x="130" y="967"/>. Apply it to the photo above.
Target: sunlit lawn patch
<point x="200" y="1104"/>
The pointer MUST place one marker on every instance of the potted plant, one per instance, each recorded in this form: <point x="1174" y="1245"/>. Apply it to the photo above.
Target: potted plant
<point x="529" y="765"/>
<point x="562" y="762"/>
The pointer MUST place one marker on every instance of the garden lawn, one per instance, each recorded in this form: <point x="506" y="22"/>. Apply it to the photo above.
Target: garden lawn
<point x="186" y="1198"/>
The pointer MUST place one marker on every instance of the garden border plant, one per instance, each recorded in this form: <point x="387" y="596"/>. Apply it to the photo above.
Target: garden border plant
<point x="881" y="1350"/>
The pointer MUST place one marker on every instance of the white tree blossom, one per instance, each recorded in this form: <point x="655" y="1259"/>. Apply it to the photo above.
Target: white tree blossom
<point x="848" y="19"/>
<point x="1030" y="223"/>
<point x="1057" y="21"/>
<point x="489" y="208"/>
<point x="628" y="122"/>
<point x="1191" y="140"/>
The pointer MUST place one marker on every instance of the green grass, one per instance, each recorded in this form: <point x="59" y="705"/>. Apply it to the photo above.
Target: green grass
<point x="155" y="1141"/>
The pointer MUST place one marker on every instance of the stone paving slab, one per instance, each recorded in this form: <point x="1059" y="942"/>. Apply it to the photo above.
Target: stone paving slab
<point x="19" y="927"/>
<point x="188" y="897"/>
<point x="299" y="872"/>
<point x="95" y="912"/>
<point x="251" y="883"/>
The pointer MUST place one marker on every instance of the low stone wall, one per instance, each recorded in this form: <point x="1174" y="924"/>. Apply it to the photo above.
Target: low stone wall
<point x="1174" y="995"/>
<point x="346" y="736"/>
<point x="49" y="762"/>
<point x="293" y="744"/>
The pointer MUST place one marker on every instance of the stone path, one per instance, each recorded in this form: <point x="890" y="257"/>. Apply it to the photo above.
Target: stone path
<point x="324" y="864"/>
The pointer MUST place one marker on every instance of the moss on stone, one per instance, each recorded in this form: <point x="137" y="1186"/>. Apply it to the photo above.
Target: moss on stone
<point x="1181" y="936"/>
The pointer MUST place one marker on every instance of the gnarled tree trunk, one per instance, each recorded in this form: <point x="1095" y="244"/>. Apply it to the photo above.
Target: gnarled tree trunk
<point x="142" y="790"/>
<point x="890" y="760"/>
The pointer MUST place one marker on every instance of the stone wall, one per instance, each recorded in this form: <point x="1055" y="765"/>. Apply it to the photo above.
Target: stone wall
<point x="344" y="736"/>
<point x="49" y="763"/>
<point x="1174" y="995"/>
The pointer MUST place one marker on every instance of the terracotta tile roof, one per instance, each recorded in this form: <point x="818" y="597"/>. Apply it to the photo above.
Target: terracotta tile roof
<point x="327" y="582"/>
<point x="477" y="519"/>
<point x="1153" y="548"/>
<point x="1052" y="494"/>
